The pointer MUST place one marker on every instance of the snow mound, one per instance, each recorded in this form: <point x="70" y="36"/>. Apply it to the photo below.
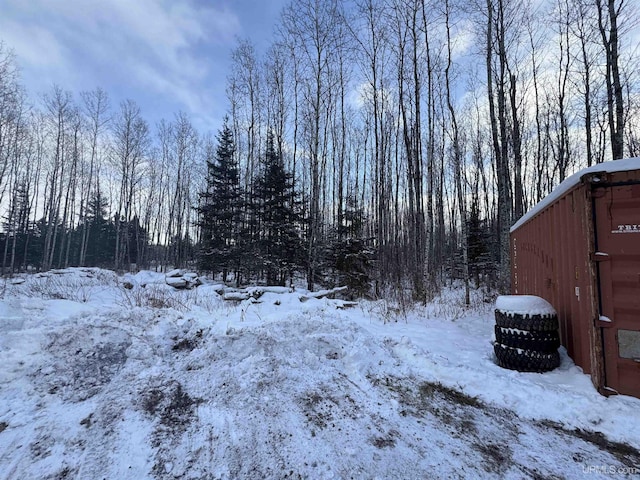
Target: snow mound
<point x="278" y="388"/>
<point x="147" y="277"/>
<point x="526" y="305"/>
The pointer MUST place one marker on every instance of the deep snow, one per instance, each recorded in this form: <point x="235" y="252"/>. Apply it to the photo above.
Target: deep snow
<point x="98" y="381"/>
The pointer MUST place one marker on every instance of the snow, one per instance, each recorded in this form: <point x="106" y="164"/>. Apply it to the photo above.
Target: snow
<point x="236" y="296"/>
<point x="114" y="387"/>
<point x="176" y="282"/>
<point x="574" y="180"/>
<point x="258" y="291"/>
<point x="515" y="331"/>
<point x="146" y="277"/>
<point x="526" y="305"/>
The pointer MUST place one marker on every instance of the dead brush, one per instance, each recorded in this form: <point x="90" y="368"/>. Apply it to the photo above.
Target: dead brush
<point x="205" y="299"/>
<point x="387" y="311"/>
<point x="59" y="288"/>
<point x="152" y="296"/>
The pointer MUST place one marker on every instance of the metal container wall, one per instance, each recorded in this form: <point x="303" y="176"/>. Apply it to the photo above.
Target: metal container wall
<point x="550" y="258"/>
<point x="556" y="255"/>
<point x="617" y="233"/>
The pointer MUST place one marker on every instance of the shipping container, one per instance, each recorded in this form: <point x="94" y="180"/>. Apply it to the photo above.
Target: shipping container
<point x="579" y="249"/>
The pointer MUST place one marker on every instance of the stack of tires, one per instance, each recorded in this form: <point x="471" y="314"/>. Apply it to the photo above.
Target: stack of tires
<point x="527" y="336"/>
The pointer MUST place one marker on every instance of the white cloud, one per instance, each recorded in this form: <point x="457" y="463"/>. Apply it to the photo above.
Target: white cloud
<point x="463" y="40"/>
<point x="31" y="43"/>
<point x="154" y="46"/>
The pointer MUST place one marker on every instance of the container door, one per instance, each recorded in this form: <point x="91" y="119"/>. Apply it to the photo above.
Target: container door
<point x="617" y="229"/>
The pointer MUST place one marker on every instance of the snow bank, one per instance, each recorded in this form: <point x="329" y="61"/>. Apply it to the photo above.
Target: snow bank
<point x="11" y="317"/>
<point x="526" y="305"/>
<point x="283" y="388"/>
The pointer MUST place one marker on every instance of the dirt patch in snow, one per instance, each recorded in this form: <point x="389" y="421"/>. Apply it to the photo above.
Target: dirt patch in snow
<point x="83" y="362"/>
<point x="626" y="454"/>
<point x="496" y="434"/>
<point x="170" y="404"/>
<point x="172" y="410"/>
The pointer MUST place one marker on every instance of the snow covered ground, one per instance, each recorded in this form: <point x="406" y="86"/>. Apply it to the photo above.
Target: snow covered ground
<point x="100" y="381"/>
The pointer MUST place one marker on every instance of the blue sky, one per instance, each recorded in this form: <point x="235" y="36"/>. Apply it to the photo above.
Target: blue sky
<point x="168" y="56"/>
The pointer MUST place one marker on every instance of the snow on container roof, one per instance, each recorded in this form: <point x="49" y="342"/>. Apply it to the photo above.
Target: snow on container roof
<point x="526" y="305"/>
<point x="570" y="182"/>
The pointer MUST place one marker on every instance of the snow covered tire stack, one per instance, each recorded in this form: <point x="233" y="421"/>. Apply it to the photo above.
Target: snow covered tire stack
<point x="526" y="332"/>
<point x="548" y="341"/>
<point x="529" y="322"/>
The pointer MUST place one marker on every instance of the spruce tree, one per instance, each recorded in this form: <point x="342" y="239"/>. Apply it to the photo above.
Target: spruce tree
<point x="221" y="210"/>
<point x="277" y="241"/>
<point x="479" y="245"/>
<point x="102" y="233"/>
<point x="350" y="257"/>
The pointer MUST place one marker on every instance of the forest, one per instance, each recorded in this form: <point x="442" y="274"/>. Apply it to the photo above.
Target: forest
<point x="388" y="145"/>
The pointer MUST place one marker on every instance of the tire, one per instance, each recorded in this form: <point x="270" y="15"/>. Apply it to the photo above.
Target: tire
<point x="525" y="360"/>
<point x="545" y="342"/>
<point x="530" y="323"/>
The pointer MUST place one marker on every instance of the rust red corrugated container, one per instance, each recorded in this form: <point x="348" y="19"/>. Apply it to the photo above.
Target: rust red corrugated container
<point x="579" y="249"/>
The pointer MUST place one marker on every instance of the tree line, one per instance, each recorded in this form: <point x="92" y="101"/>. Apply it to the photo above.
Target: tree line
<point x="390" y="144"/>
<point x="439" y="122"/>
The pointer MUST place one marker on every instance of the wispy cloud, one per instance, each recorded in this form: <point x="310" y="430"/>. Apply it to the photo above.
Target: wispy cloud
<point x="30" y="41"/>
<point x="159" y="47"/>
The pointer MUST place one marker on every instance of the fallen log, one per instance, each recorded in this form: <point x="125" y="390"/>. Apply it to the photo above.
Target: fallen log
<point x="236" y="296"/>
<point x="323" y="293"/>
<point x="345" y="305"/>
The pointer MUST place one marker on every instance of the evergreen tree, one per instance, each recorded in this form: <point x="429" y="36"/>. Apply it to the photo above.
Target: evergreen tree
<point x="15" y="225"/>
<point x="102" y="233"/>
<point x="479" y="245"/>
<point x="137" y="240"/>
<point x="349" y="256"/>
<point x="277" y="241"/>
<point x="221" y="210"/>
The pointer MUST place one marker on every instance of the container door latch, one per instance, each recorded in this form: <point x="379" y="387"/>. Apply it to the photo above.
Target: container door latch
<point x="599" y="257"/>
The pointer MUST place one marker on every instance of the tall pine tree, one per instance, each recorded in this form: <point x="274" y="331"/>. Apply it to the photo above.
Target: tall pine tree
<point x="221" y="210"/>
<point x="101" y="232"/>
<point x="277" y="242"/>
<point x="350" y="257"/>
